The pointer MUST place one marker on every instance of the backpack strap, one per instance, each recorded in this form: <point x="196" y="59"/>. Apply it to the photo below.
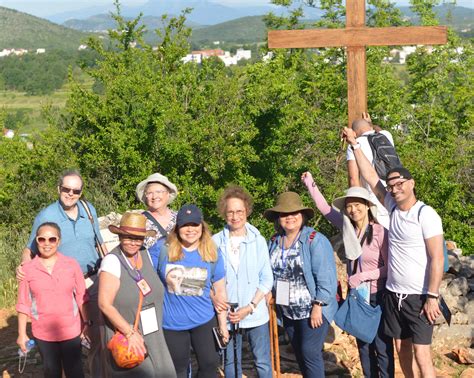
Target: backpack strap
<point x="312" y="235"/>
<point x="152" y="219"/>
<point x="419" y="211"/>
<point x="98" y="246"/>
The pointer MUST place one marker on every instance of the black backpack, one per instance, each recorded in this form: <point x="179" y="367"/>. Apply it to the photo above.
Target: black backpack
<point x="385" y="156"/>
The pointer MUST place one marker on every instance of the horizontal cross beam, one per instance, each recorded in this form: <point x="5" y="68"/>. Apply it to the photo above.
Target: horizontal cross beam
<point x="361" y="36"/>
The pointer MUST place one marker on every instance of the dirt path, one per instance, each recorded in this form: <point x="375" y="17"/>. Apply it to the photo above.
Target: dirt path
<point x="341" y="359"/>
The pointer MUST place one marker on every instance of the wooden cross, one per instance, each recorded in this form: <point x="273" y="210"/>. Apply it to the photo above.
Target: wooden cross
<point x="356" y="36"/>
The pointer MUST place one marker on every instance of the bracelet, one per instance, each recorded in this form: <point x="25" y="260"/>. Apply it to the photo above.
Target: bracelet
<point x="252" y="307"/>
<point x="355" y="146"/>
<point x="429" y="294"/>
<point x="130" y="333"/>
<point x="318" y="303"/>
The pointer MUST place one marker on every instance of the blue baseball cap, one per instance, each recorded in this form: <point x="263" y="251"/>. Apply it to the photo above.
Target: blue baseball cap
<point x="189" y="214"/>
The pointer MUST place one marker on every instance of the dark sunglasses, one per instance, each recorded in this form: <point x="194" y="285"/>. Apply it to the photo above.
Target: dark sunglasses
<point x="43" y="240"/>
<point x="65" y="189"/>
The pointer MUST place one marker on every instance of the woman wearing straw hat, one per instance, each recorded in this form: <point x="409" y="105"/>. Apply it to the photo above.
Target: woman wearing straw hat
<point x="157" y="192"/>
<point x="126" y="275"/>
<point x="305" y="280"/>
<point x="366" y="248"/>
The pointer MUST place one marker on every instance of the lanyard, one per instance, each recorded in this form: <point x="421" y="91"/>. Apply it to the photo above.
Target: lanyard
<point x="134" y="269"/>
<point x="283" y="258"/>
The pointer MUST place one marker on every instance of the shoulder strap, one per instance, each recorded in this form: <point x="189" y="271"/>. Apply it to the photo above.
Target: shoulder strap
<point x="91" y="219"/>
<point x="419" y="211"/>
<point x="156" y="223"/>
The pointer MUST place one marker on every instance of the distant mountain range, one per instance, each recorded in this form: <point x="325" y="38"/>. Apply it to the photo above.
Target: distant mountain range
<point x="20" y="30"/>
<point x="203" y="12"/>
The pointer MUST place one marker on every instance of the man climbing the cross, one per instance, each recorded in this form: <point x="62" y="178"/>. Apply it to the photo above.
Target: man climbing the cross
<point x="415" y="264"/>
<point x="363" y="128"/>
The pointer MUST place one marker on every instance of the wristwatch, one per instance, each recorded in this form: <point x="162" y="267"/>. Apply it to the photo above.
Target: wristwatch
<point x="318" y="303"/>
<point x="355" y="146"/>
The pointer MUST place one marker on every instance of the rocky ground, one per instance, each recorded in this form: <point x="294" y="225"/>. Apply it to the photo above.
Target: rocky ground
<point x="341" y="357"/>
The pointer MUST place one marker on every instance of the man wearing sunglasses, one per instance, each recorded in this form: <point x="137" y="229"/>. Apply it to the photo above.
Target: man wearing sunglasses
<point x="415" y="264"/>
<point x="77" y="241"/>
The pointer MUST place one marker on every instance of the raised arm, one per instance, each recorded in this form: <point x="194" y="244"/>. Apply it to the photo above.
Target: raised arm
<point x="328" y="212"/>
<point x="365" y="168"/>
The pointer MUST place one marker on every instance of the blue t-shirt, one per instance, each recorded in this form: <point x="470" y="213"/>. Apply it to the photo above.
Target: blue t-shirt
<point x="187" y="302"/>
<point x="77" y="236"/>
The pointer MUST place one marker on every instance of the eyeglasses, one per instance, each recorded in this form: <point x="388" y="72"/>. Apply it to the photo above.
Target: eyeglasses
<point x="239" y="213"/>
<point x="155" y="192"/>
<point x="51" y="240"/>
<point x="397" y="186"/>
<point x="132" y="240"/>
<point x="65" y="189"/>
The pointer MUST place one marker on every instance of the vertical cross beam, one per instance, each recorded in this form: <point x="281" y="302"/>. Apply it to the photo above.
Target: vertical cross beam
<point x="356" y="66"/>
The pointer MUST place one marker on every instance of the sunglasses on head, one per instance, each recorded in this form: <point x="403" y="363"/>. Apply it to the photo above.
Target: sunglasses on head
<point x="65" y="189"/>
<point x="50" y="240"/>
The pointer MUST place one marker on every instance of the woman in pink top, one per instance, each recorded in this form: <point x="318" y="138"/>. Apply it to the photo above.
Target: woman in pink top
<point x="366" y="248"/>
<point x="52" y="294"/>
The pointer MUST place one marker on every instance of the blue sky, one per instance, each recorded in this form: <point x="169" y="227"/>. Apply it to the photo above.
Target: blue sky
<point x="49" y="7"/>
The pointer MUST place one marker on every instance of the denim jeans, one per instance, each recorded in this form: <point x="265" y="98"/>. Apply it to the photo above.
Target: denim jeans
<point x="307" y="344"/>
<point x="376" y="358"/>
<point x="259" y="340"/>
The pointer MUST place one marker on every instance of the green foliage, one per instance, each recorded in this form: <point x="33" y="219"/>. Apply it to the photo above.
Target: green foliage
<point x="259" y="125"/>
<point x="38" y="74"/>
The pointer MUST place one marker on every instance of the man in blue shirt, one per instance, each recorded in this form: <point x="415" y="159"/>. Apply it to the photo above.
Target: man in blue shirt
<point x="77" y="241"/>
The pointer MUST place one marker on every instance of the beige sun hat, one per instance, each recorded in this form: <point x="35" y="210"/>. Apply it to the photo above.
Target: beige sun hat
<point x="159" y="179"/>
<point x="355" y="192"/>
<point x="132" y="224"/>
<point x="288" y="202"/>
<point x="352" y="247"/>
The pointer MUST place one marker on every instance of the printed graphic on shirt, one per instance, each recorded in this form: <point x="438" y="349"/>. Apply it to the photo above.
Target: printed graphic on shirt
<point x="289" y="267"/>
<point x="182" y="280"/>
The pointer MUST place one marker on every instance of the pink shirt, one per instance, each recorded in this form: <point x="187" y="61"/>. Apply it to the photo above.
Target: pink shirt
<point x="52" y="300"/>
<point x="374" y="258"/>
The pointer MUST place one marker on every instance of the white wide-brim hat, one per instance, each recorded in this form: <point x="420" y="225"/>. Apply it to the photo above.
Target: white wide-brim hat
<point x="355" y="192"/>
<point x="159" y="179"/>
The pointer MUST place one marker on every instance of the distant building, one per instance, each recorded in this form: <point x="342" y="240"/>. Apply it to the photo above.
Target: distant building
<point x="40" y="51"/>
<point x="82" y="47"/>
<point x="225" y="56"/>
<point x="17" y="52"/>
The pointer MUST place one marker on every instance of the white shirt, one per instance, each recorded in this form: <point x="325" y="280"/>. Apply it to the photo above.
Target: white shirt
<point x="382" y="214"/>
<point x="234" y="251"/>
<point x="111" y="264"/>
<point x="408" y="263"/>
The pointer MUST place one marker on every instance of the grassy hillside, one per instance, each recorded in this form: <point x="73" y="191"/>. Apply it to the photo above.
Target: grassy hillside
<point x="242" y="30"/>
<point x="21" y="30"/>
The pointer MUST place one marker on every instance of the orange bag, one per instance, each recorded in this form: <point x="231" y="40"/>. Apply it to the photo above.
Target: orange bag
<point x="118" y="345"/>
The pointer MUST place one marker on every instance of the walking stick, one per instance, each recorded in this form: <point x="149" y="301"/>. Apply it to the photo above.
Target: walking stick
<point x="274" y="347"/>
<point x="235" y="329"/>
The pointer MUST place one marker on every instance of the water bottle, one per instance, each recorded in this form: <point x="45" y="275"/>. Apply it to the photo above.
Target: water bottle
<point x="30" y="344"/>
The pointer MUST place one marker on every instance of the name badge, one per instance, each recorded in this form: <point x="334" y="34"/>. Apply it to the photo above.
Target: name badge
<point x="148" y="320"/>
<point x="144" y="287"/>
<point x="282" y="293"/>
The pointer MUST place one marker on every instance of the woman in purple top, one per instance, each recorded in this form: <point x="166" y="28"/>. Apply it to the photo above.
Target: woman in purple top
<point x="366" y="248"/>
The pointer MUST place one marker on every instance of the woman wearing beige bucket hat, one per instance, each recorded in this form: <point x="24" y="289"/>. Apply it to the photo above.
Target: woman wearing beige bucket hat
<point x="128" y="284"/>
<point x="157" y="192"/>
<point x="305" y="280"/>
<point x="366" y="248"/>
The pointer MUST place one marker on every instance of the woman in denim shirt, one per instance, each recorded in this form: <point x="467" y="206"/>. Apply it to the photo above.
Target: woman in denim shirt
<point x="305" y="281"/>
<point x="248" y="278"/>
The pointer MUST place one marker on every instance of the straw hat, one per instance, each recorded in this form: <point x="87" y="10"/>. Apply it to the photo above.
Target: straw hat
<point x="132" y="224"/>
<point x="288" y="202"/>
<point x="156" y="178"/>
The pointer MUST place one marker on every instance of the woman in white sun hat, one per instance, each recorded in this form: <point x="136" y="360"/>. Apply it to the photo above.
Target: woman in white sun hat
<point x="366" y="248"/>
<point x="157" y="192"/>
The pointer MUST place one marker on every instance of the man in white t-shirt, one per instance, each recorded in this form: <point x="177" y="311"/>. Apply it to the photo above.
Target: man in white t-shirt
<point x="363" y="128"/>
<point x="415" y="264"/>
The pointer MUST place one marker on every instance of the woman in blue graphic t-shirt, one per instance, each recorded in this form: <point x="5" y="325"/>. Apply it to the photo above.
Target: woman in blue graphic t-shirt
<point x="190" y="265"/>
